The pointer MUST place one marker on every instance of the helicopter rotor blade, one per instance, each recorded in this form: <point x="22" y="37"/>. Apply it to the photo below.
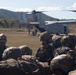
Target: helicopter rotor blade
<point x="35" y="11"/>
<point x="70" y="10"/>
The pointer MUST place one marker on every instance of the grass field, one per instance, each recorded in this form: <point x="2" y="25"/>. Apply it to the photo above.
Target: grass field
<point x="72" y="29"/>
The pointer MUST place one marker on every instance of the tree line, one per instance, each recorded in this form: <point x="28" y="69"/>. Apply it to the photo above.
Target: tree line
<point x="9" y="23"/>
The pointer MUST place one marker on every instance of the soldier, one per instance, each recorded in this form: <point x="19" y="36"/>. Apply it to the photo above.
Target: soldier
<point x="29" y="31"/>
<point x="26" y="64"/>
<point x="68" y="43"/>
<point x="3" y="40"/>
<point x="65" y="56"/>
<point x="61" y="65"/>
<point x="72" y="53"/>
<point x="35" y="32"/>
<point x="64" y="63"/>
<point x="25" y="50"/>
<point x="45" y="52"/>
<point x="9" y="67"/>
<point x="56" y="41"/>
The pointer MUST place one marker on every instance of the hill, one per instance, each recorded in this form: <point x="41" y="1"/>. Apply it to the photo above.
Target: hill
<point x="22" y="16"/>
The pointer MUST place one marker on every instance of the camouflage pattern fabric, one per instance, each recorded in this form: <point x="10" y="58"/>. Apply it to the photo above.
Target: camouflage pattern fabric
<point x="3" y="40"/>
<point x="56" y="41"/>
<point x="62" y="62"/>
<point x="9" y="67"/>
<point x="61" y="50"/>
<point x="18" y="67"/>
<point x="28" y="67"/>
<point x="72" y="53"/>
<point x="46" y="36"/>
<point x="45" y="54"/>
<point x="44" y="68"/>
<point x="25" y="50"/>
<point x="11" y="52"/>
<point x="30" y="58"/>
<point x="1" y="51"/>
<point x="69" y="41"/>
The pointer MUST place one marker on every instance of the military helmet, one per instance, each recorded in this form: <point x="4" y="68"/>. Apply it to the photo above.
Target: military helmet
<point x="69" y="40"/>
<point x="56" y="41"/>
<point x="64" y="40"/>
<point x="3" y="38"/>
<point x="72" y="40"/>
<point x="45" y="36"/>
<point x="62" y="62"/>
<point x="11" y="52"/>
<point x="72" y="53"/>
<point x="25" y="50"/>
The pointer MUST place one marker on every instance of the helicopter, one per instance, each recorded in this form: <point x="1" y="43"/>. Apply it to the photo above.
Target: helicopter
<point x="60" y="27"/>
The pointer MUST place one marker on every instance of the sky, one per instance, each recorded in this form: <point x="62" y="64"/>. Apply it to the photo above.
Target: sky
<point x="53" y="8"/>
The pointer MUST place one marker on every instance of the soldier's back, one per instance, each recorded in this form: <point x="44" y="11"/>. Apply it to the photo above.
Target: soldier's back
<point x="44" y="54"/>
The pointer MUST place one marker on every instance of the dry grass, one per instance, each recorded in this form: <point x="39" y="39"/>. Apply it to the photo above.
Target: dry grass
<point x="22" y="38"/>
<point x="72" y="29"/>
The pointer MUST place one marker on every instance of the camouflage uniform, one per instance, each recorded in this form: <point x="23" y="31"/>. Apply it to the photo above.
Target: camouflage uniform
<point x="65" y="56"/>
<point x="11" y="52"/>
<point x="69" y="41"/>
<point x="64" y="62"/>
<point x="9" y="67"/>
<point x="61" y="50"/>
<point x="56" y="41"/>
<point x="26" y="64"/>
<point x="45" y="52"/>
<point x="18" y="67"/>
<point x="25" y="50"/>
<point x="44" y="68"/>
<point x="61" y="64"/>
<point x="72" y="53"/>
<point x="3" y="40"/>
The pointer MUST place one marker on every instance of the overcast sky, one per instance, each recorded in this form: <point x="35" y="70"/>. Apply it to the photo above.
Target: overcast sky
<point x="54" y="7"/>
